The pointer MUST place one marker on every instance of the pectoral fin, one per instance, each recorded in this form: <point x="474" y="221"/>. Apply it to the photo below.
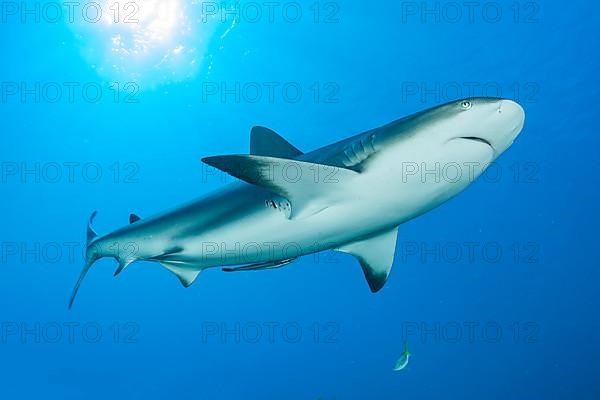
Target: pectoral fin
<point x="376" y="256"/>
<point x="309" y="187"/>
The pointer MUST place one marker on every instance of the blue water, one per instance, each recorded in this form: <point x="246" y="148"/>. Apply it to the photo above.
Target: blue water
<point x="313" y="329"/>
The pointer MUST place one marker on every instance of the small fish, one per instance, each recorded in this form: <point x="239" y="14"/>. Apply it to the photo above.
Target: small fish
<point x="403" y="360"/>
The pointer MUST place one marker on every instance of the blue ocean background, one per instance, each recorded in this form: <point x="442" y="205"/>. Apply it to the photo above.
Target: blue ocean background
<point x="143" y="336"/>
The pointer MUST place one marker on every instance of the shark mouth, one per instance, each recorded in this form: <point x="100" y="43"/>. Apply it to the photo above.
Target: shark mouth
<point x="478" y="139"/>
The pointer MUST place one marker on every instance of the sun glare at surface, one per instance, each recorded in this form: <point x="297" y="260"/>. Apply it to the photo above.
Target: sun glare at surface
<point x="148" y="41"/>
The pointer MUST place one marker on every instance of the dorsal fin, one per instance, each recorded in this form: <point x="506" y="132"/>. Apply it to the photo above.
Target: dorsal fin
<point x="309" y="187"/>
<point x="265" y="142"/>
<point x="133" y="218"/>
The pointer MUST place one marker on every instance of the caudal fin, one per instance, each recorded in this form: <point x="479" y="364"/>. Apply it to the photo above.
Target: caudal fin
<point x="90" y="257"/>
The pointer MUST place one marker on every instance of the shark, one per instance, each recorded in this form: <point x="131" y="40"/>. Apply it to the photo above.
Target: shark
<point x="350" y="196"/>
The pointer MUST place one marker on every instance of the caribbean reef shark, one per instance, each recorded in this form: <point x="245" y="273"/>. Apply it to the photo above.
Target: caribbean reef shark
<point x="350" y="196"/>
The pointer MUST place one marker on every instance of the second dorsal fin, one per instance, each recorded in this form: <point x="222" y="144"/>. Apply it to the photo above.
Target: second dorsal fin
<point x="133" y="218"/>
<point x="265" y="142"/>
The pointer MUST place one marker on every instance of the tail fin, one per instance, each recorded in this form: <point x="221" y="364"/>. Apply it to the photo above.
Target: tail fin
<point x="90" y="257"/>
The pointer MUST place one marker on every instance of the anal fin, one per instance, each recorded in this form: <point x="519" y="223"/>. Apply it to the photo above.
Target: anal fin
<point x="186" y="276"/>
<point x="122" y="265"/>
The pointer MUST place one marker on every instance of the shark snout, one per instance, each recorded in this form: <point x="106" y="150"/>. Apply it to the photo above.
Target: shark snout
<point x="496" y="123"/>
<point x="512" y="117"/>
<point x="514" y="113"/>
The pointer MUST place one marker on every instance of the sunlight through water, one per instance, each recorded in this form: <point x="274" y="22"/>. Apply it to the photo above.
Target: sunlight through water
<point x="150" y="42"/>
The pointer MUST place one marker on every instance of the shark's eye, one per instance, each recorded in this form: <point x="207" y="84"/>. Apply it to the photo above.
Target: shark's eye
<point x="466" y="105"/>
